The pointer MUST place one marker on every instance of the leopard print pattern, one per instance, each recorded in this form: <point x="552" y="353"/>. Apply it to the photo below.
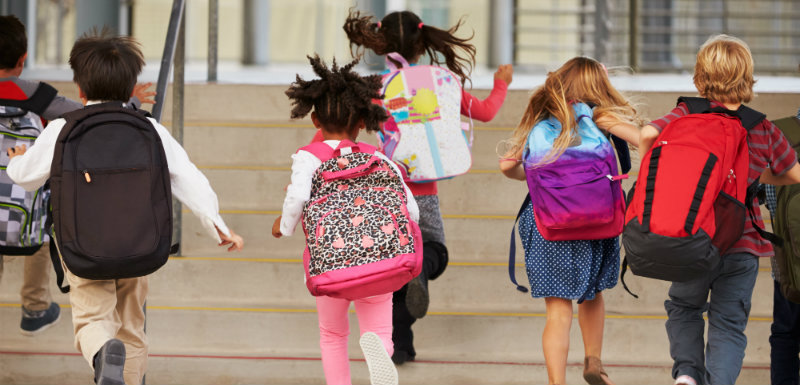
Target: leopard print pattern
<point x="357" y="220"/>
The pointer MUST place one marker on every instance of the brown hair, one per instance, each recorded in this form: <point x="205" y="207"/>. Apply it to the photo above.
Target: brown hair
<point x="580" y="79"/>
<point x="405" y="33"/>
<point x="724" y="70"/>
<point x="341" y="98"/>
<point x="13" y="42"/>
<point x="104" y="67"/>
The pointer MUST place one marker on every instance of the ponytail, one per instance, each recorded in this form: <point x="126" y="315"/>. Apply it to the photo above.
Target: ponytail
<point x="405" y="33"/>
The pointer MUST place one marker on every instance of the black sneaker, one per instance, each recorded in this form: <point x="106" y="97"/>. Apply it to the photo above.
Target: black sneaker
<point x="400" y="357"/>
<point x="417" y="298"/>
<point x="109" y="362"/>
<point x="35" y="322"/>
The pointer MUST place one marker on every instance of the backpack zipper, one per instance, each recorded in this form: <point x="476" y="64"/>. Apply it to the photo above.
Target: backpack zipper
<point x="87" y="176"/>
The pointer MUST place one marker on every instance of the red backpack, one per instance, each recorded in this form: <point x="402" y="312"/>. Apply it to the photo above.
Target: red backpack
<point x="688" y="205"/>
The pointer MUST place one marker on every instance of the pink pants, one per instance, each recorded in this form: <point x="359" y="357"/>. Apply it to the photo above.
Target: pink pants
<point x="374" y="315"/>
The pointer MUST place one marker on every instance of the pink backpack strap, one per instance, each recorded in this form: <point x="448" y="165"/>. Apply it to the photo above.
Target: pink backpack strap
<point x="319" y="149"/>
<point x="354" y="147"/>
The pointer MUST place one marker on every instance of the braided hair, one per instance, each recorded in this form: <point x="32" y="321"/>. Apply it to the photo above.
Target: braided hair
<point x="405" y="33"/>
<point x="340" y="97"/>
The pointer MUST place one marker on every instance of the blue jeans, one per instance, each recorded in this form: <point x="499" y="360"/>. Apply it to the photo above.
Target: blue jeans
<point x="730" y="286"/>
<point x="785" y="340"/>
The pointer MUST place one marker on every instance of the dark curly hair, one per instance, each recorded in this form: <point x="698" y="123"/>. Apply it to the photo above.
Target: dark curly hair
<point x="340" y="97"/>
<point x="405" y="33"/>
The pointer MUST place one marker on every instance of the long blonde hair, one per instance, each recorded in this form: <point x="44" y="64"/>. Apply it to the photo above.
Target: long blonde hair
<point x="580" y="79"/>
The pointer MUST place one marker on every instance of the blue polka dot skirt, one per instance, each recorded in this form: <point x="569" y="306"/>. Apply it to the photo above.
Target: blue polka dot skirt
<point x="567" y="269"/>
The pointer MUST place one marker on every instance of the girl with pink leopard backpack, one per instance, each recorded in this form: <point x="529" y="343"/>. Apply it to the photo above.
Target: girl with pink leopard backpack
<point x="360" y="219"/>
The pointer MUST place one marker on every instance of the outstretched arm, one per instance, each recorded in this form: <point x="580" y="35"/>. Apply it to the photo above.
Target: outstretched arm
<point x="486" y="109"/>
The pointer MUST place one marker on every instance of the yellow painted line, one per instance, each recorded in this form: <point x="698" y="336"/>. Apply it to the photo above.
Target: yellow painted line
<point x="297" y="260"/>
<point x="232" y="309"/>
<point x="246" y="168"/>
<point x="477" y="216"/>
<point x="243" y="124"/>
<point x="442" y="313"/>
<point x="447" y="216"/>
<point x="226" y="259"/>
<point x="292" y="125"/>
<point x="283" y="168"/>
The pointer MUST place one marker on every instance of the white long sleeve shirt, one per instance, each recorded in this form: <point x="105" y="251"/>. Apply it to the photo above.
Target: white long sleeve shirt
<point x="304" y="164"/>
<point x="32" y="169"/>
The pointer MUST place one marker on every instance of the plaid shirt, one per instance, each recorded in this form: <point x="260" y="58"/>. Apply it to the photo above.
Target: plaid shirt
<point x="768" y="149"/>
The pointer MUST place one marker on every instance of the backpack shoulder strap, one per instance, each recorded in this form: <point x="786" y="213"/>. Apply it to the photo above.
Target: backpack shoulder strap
<point x="512" y="248"/>
<point x="749" y="117"/>
<point x="36" y="103"/>
<point x="321" y="150"/>
<point x="695" y="105"/>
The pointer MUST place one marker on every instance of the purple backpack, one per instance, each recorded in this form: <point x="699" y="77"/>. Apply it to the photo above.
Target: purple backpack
<point x="360" y="239"/>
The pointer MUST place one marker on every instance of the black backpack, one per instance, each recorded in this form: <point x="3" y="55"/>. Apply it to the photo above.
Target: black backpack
<point x="111" y="196"/>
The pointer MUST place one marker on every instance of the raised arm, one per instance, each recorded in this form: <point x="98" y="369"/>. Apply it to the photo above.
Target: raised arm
<point x="486" y="109"/>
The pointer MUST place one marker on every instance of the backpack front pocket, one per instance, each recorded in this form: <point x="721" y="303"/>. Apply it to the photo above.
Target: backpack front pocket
<point x="354" y="236"/>
<point x="573" y="196"/>
<point x="113" y="205"/>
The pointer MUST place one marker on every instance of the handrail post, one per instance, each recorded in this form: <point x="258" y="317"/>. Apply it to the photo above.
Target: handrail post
<point x="175" y="19"/>
<point x="633" y="35"/>
<point x="213" y="38"/>
<point x="501" y="30"/>
<point x="177" y="118"/>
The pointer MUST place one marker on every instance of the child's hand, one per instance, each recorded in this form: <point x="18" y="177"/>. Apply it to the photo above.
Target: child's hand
<point x="234" y="240"/>
<point x="504" y="72"/>
<point x="141" y="93"/>
<point x="276" y="227"/>
<point x="16" y="151"/>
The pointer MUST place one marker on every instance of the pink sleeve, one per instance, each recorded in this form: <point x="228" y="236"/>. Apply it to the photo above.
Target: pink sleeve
<point x="484" y="110"/>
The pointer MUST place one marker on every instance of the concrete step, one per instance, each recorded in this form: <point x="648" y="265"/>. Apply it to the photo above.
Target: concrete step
<point x="65" y="369"/>
<point x="470" y="239"/>
<point x="226" y="282"/>
<point x="473" y="193"/>
<point x="180" y="330"/>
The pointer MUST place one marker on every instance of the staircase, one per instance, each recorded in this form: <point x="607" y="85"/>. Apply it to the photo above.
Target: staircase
<point x="247" y="318"/>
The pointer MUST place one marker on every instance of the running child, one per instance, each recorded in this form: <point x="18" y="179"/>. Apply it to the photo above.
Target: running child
<point x="341" y="105"/>
<point x="567" y="270"/>
<point x="723" y="75"/>
<point x="405" y="33"/>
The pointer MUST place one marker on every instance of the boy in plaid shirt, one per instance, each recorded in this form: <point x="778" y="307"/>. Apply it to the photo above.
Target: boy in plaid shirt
<point x="723" y="75"/>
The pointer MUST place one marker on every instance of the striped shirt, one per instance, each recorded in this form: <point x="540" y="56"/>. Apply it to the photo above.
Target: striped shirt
<point x="768" y="149"/>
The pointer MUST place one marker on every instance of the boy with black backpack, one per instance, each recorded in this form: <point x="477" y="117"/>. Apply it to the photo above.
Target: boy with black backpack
<point x="24" y="104"/>
<point x="724" y="78"/>
<point x="113" y="171"/>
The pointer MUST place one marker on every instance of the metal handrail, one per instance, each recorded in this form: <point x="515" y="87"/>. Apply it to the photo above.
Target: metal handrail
<point x="175" y="19"/>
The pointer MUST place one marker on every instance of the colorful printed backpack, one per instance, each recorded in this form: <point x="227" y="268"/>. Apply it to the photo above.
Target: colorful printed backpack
<point x="691" y="197"/>
<point x="23" y="213"/>
<point x="579" y="195"/>
<point x="360" y="240"/>
<point x="424" y="133"/>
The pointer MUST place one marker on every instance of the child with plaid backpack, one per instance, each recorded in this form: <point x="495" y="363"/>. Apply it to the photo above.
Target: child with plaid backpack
<point x="362" y="239"/>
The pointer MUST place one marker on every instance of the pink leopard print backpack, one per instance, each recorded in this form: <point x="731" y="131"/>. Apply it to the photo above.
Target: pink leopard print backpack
<point x="360" y="240"/>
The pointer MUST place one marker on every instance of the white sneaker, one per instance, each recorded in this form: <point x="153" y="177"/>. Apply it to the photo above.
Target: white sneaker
<point x="381" y="367"/>
<point x="685" y="380"/>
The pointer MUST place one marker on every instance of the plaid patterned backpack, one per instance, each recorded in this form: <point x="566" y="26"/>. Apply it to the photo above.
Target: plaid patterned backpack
<point x="360" y="240"/>
<point x="22" y="213"/>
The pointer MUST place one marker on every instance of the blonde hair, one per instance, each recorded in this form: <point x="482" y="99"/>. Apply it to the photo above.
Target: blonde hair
<point x="724" y="70"/>
<point x="580" y="79"/>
